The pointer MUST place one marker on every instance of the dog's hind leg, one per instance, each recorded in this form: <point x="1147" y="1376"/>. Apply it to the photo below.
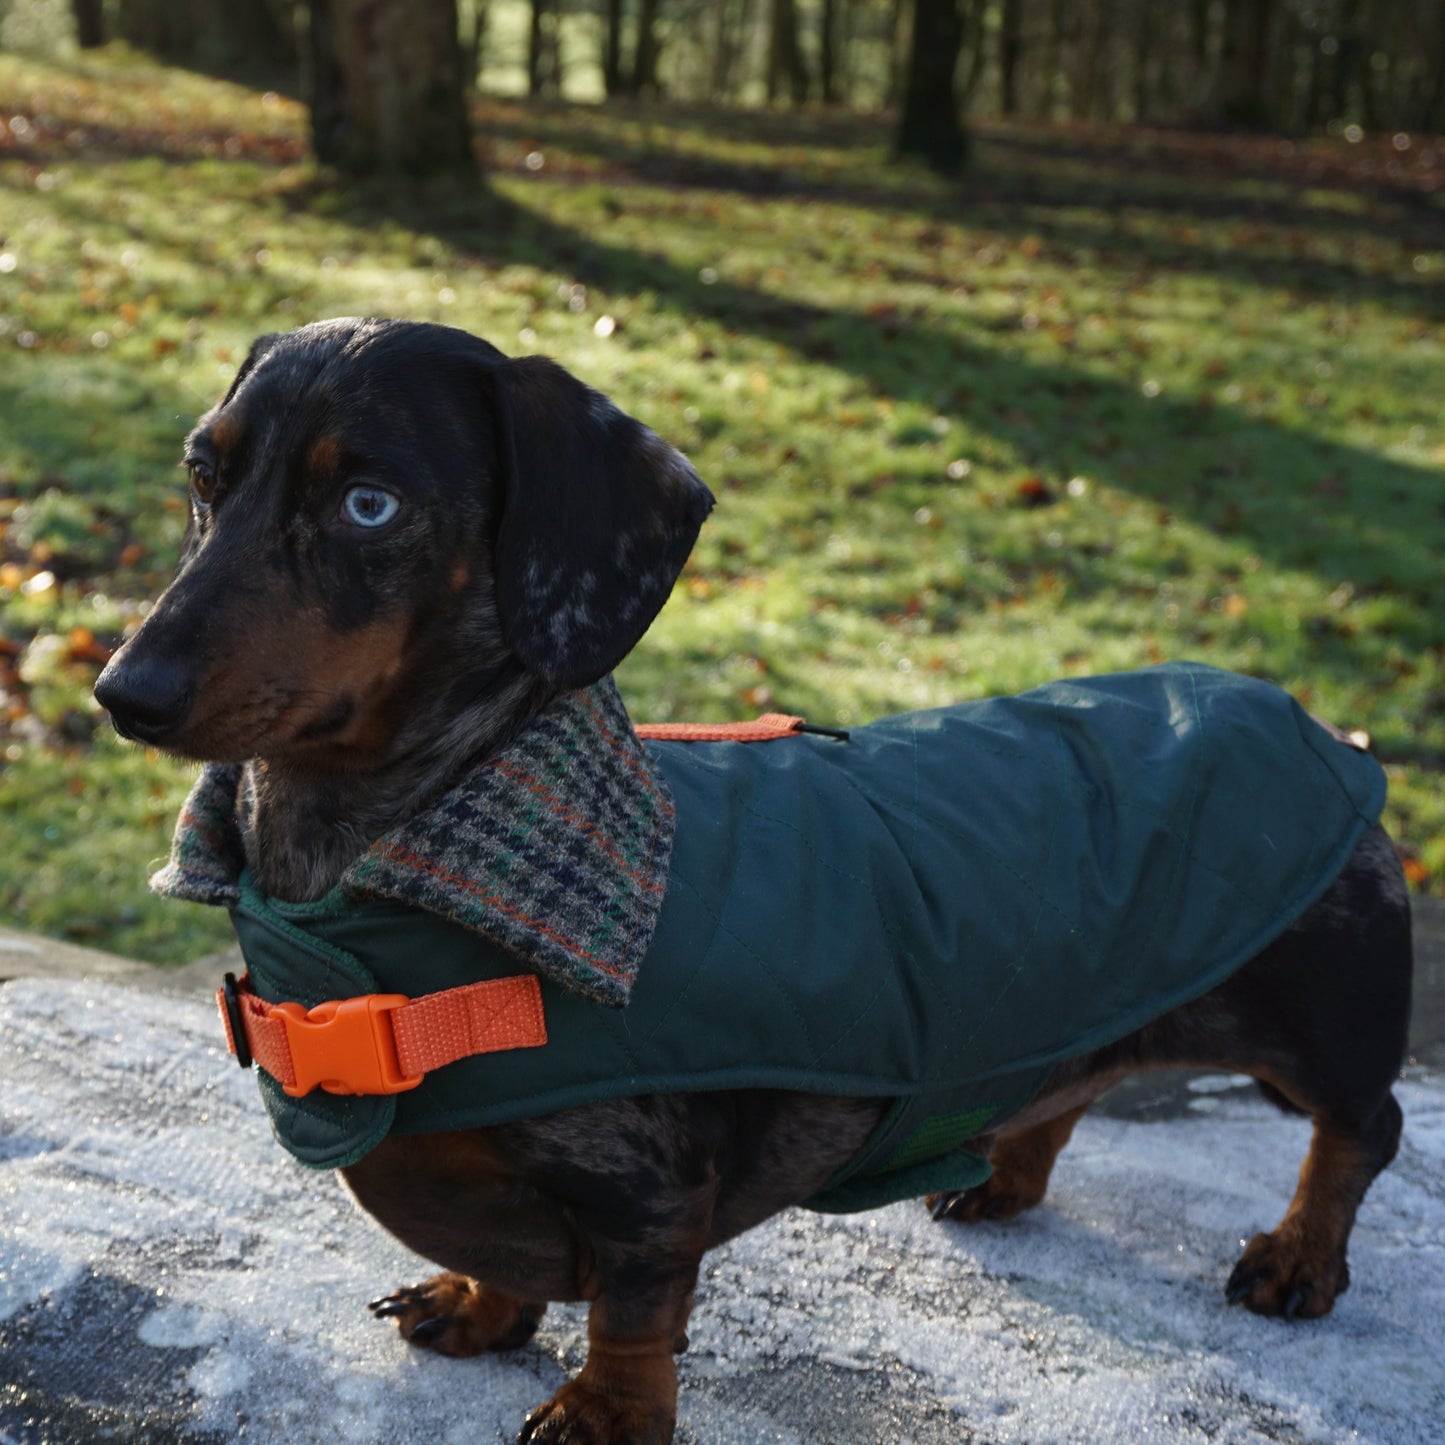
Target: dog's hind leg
<point x="1332" y="997"/>
<point x="1022" y="1161"/>
<point x="1299" y="1268"/>
<point x="1319" y="1018"/>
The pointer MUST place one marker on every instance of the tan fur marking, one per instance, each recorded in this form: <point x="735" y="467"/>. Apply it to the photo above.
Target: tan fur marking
<point x="627" y="1390"/>
<point x="461" y="1317"/>
<point x="261" y="700"/>
<point x="324" y="455"/>
<point x="1299" y="1268"/>
<point x="226" y="431"/>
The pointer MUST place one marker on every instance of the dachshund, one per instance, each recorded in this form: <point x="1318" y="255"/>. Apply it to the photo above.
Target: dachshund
<point x="405" y="547"/>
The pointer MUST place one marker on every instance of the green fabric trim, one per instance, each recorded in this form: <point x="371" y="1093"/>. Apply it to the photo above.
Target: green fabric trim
<point x="954" y="1172"/>
<point x="931" y="1161"/>
<point x="941" y="1135"/>
<point x="325" y="1131"/>
<point x="287" y="963"/>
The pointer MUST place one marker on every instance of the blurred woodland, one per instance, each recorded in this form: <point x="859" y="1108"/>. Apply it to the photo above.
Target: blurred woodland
<point x="387" y="81"/>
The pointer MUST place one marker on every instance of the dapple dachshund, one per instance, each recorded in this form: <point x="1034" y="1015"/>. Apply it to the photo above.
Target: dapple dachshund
<point x="403" y="547"/>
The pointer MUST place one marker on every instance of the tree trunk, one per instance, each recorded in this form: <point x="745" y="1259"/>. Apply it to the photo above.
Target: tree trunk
<point x="474" y="43"/>
<point x="734" y="27"/>
<point x="976" y="38"/>
<point x="612" y="49"/>
<point x="1010" y="52"/>
<point x="1199" y="30"/>
<point x="544" y="61"/>
<point x="1143" y="57"/>
<point x="386" y="87"/>
<point x="827" y="54"/>
<point x="1432" y="110"/>
<point x="89" y="23"/>
<point x="649" y="52"/>
<point x="843" y="50"/>
<point x="930" y="126"/>
<point x="1056" y="40"/>
<point x="785" y="54"/>
<point x="1349" y="59"/>
<point x="237" y="38"/>
<point x="897" y="61"/>
<point x="1092" y="77"/>
<point x="1245" y="92"/>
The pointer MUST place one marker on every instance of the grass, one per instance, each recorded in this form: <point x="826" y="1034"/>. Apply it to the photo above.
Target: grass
<point x="1114" y="398"/>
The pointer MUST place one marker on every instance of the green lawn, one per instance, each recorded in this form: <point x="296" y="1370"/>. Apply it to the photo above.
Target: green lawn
<point x="1114" y="398"/>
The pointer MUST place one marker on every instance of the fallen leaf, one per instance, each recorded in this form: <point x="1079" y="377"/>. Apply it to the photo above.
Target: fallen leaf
<point x="1033" y="492"/>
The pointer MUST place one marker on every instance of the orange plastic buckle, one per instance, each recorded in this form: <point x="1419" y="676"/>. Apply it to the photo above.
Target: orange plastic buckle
<point x="345" y="1046"/>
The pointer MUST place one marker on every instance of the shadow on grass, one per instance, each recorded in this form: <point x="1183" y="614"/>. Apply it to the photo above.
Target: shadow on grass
<point x="1025" y="180"/>
<point x="1017" y="187"/>
<point x="1297" y="500"/>
<point x="1368" y="513"/>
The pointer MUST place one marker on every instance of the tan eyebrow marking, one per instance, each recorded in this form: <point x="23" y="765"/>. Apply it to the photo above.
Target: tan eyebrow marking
<point x="324" y="456"/>
<point x="226" y="431"/>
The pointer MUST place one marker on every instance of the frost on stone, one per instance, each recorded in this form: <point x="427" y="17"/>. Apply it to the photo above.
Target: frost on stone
<point x="166" y="1272"/>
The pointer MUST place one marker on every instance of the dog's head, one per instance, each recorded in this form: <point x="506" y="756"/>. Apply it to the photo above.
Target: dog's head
<point x="386" y="513"/>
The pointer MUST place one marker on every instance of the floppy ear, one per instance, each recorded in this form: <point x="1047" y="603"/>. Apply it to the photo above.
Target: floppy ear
<point x="598" y="517"/>
<point x="259" y="347"/>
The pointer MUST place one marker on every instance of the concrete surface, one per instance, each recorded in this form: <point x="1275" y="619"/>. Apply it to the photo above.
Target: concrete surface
<point x="167" y="1274"/>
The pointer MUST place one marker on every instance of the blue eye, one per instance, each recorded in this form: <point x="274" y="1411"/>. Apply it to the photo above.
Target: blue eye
<point x="369" y="506"/>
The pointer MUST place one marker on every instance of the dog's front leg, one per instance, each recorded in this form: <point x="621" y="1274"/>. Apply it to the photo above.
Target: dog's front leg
<point x="641" y="1290"/>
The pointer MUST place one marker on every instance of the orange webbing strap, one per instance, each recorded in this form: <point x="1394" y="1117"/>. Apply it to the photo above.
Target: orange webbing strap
<point x="771" y="725"/>
<point x="379" y="1043"/>
<point x="477" y="1018"/>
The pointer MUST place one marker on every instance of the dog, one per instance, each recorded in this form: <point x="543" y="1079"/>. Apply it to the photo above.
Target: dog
<point x="405" y="554"/>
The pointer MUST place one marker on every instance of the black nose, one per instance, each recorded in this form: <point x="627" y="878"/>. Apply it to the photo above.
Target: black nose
<point x="147" y="699"/>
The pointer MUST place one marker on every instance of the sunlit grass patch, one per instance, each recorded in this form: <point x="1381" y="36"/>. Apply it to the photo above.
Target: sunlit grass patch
<point x="1098" y="405"/>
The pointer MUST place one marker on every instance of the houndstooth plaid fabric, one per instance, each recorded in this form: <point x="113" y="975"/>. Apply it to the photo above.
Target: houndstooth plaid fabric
<point x="556" y="847"/>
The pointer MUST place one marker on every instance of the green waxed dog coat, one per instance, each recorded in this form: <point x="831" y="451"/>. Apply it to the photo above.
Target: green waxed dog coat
<point x="934" y="912"/>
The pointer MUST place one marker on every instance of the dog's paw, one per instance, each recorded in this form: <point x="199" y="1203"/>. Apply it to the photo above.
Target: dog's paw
<point x="455" y="1315"/>
<point x="579" y="1414"/>
<point x="993" y="1199"/>
<point x="1280" y="1274"/>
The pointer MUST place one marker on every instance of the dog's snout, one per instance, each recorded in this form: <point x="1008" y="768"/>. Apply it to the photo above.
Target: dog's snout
<point x="148" y="698"/>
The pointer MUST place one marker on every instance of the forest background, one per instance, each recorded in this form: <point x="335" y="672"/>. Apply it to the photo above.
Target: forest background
<point x="1018" y="338"/>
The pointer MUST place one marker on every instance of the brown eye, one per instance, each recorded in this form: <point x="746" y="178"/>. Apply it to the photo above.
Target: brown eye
<point x="203" y="483"/>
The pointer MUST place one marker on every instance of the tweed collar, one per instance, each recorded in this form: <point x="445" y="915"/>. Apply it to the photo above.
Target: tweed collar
<point x="556" y="847"/>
